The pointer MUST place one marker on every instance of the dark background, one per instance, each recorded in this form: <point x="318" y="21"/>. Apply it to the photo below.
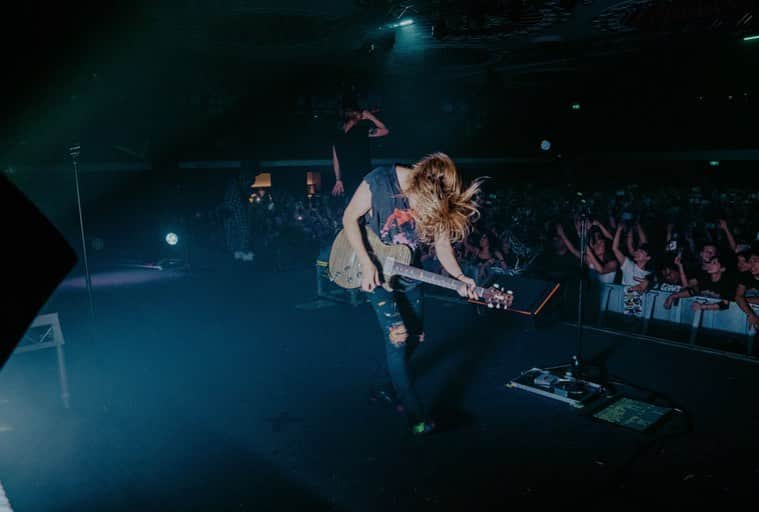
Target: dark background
<point x="183" y="80"/>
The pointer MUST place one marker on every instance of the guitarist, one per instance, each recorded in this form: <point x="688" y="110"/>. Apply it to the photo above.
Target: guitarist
<point x="410" y="205"/>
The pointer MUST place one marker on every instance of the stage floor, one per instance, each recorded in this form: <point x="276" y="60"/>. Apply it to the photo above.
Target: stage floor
<point x="212" y="391"/>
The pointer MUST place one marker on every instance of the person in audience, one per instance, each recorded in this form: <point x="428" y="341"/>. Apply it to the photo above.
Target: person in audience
<point x="687" y="276"/>
<point x="430" y="261"/>
<point x="642" y="238"/>
<point x="471" y="244"/>
<point x="717" y="282"/>
<point x="724" y="229"/>
<point x="598" y="254"/>
<point x="601" y="260"/>
<point x="708" y="251"/>
<point x="237" y="206"/>
<point x="639" y="267"/>
<point x="688" y="269"/>
<point x="557" y="263"/>
<point x="670" y="277"/>
<point x="596" y="224"/>
<point x="635" y="271"/>
<point x="679" y="241"/>
<point x="714" y="281"/>
<point x="689" y="243"/>
<point x="509" y="260"/>
<point x="486" y="255"/>
<point x="747" y="291"/>
<point x="742" y="261"/>
<point x="261" y="196"/>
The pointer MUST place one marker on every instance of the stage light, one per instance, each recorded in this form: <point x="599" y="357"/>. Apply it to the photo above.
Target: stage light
<point x="576" y="106"/>
<point x="172" y="239"/>
<point x="403" y="23"/>
<point x="545" y="145"/>
<point x="714" y="163"/>
<point x="751" y="38"/>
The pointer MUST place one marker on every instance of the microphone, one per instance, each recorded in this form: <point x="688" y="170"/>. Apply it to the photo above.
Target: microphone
<point x="583" y="208"/>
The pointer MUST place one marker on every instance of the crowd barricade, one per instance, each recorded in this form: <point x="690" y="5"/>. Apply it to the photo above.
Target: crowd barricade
<point x="732" y="320"/>
<point x="45" y="332"/>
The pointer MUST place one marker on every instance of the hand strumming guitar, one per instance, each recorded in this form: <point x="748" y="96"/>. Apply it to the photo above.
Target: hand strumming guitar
<point x="369" y="277"/>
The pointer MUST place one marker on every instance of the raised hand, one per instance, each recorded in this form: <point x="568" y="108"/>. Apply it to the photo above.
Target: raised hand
<point x="753" y="321"/>
<point x="641" y="287"/>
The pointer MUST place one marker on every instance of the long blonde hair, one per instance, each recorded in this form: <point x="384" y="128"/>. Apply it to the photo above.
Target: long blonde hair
<point x="441" y="207"/>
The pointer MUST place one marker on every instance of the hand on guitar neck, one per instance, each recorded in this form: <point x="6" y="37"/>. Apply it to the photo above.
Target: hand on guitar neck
<point x="468" y="288"/>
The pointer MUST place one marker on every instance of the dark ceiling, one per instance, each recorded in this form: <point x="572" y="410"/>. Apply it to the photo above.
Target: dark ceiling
<point x="169" y="73"/>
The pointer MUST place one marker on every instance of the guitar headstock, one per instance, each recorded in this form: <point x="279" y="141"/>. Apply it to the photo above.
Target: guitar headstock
<point x="497" y="298"/>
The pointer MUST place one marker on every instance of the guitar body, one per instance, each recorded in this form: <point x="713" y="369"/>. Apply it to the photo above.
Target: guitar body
<point x="344" y="267"/>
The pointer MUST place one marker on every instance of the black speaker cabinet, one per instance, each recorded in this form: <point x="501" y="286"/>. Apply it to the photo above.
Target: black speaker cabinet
<point x="531" y="296"/>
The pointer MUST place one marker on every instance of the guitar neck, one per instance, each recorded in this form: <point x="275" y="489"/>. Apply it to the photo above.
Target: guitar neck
<point x="429" y="277"/>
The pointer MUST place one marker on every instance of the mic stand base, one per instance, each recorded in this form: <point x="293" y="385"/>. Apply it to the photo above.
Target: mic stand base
<point x="560" y="385"/>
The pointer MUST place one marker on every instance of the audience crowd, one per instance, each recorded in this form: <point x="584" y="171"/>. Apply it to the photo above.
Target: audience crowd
<point x="689" y="241"/>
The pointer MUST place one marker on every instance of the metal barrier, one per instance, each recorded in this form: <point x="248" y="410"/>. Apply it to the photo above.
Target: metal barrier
<point x="732" y="320"/>
<point x="45" y="332"/>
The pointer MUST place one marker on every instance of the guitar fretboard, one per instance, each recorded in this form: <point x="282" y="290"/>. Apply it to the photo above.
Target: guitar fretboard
<point x="429" y="277"/>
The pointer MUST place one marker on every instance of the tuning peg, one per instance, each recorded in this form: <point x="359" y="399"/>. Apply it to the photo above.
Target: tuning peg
<point x="509" y="292"/>
<point x="496" y="285"/>
<point x="498" y="306"/>
<point x="490" y="305"/>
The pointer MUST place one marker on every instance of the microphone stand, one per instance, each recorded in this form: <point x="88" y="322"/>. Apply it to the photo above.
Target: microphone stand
<point x="575" y="369"/>
<point x="74" y="152"/>
<point x="568" y="387"/>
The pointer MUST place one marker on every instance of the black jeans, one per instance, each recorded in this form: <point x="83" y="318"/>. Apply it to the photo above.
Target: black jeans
<point x="401" y="318"/>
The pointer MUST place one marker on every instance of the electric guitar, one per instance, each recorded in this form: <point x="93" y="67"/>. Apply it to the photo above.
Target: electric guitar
<point x="393" y="260"/>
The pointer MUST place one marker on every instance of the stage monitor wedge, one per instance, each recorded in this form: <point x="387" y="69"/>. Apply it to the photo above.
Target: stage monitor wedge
<point x="531" y="296"/>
